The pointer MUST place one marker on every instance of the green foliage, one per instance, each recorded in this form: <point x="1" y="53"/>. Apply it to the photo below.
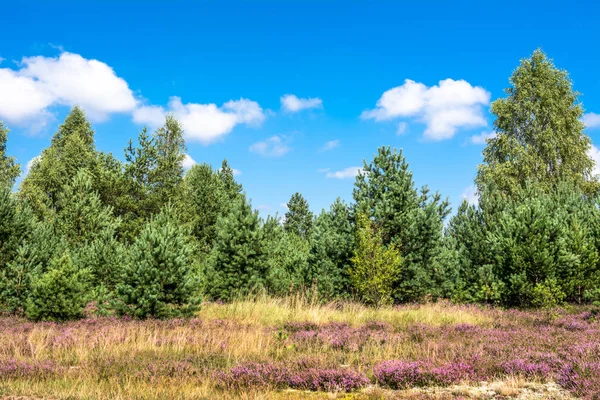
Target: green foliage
<point x="204" y="200"/>
<point x="158" y="279"/>
<point x="58" y="293"/>
<point x="232" y="188"/>
<point x="9" y="170"/>
<point x="375" y="267"/>
<point x="298" y="218"/>
<point x="540" y="138"/>
<point x="532" y="249"/>
<point x="288" y="260"/>
<point x="82" y="216"/>
<point x="331" y="250"/>
<point x="411" y="220"/>
<point x="31" y="259"/>
<point x="237" y="264"/>
<point x="72" y="149"/>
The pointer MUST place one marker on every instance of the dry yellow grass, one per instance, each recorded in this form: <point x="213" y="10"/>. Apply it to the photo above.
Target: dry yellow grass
<point x="276" y="311"/>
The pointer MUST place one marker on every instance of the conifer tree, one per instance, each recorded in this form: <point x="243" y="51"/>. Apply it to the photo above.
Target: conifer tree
<point x="9" y="170"/>
<point x="298" y="218"/>
<point x="410" y="220"/>
<point x="288" y="256"/>
<point x="331" y="250"/>
<point x="204" y="200"/>
<point x="238" y="263"/>
<point x="375" y="267"/>
<point x="232" y="188"/>
<point x="170" y="153"/>
<point x="82" y="217"/>
<point x="159" y="279"/>
<point x="72" y="149"/>
<point x="58" y="293"/>
<point x="540" y="137"/>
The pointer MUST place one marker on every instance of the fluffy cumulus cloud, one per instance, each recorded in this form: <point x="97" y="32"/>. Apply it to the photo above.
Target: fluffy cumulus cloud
<point x="292" y="103"/>
<point x="188" y="162"/>
<point x="443" y="108"/>
<point x="332" y="144"/>
<point x="275" y="146"/>
<point x="591" y="120"/>
<point x="470" y="194"/>
<point x="31" y="163"/>
<point x="346" y="173"/>
<point x="69" y="79"/>
<point x="594" y="154"/>
<point x="204" y="123"/>
<point x="482" y="137"/>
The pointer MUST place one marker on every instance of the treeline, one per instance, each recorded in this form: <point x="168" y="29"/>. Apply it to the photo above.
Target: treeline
<point x="86" y="232"/>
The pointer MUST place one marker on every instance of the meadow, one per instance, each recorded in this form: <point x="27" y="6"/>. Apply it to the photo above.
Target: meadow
<point x="290" y="348"/>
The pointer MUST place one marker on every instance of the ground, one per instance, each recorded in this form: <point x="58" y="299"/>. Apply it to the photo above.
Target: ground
<point x="291" y="349"/>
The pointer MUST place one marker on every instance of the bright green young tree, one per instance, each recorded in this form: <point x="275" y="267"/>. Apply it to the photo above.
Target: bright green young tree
<point x="375" y="267"/>
<point x="540" y="137"/>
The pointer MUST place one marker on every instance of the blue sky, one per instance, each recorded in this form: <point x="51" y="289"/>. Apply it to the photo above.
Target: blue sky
<point x="224" y="68"/>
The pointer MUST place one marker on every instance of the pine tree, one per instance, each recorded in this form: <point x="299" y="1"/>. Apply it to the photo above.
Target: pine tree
<point x="375" y="267"/>
<point x="540" y="137"/>
<point x="159" y="279"/>
<point x="82" y="217"/>
<point x="15" y="225"/>
<point x="170" y="153"/>
<point x="57" y="294"/>
<point x="288" y="256"/>
<point x="238" y="263"/>
<point x="298" y="218"/>
<point x="331" y="250"/>
<point x="410" y="220"/>
<point x="204" y="201"/>
<point x="72" y="149"/>
<point x="232" y="188"/>
<point x="9" y="170"/>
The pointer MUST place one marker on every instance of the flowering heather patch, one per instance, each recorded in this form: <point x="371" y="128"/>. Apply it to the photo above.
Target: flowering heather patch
<point x="19" y="369"/>
<point x="219" y="357"/>
<point x="257" y="375"/>
<point x="397" y="374"/>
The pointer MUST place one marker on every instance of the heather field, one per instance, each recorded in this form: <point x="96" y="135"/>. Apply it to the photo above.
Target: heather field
<point x="288" y="348"/>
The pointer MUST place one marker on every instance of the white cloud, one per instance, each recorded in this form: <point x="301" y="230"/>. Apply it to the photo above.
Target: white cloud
<point x="481" y="138"/>
<point x="203" y="122"/>
<point x="69" y="79"/>
<point x="332" y="144"/>
<point x="444" y="108"/>
<point x="31" y="163"/>
<point x="292" y="103"/>
<point x="345" y="173"/>
<point x="236" y="172"/>
<point x="402" y="126"/>
<point x="594" y="153"/>
<point x="188" y="162"/>
<point x="264" y="207"/>
<point x="284" y="206"/>
<point x="2" y="60"/>
<point x="272" y="147"/>
<point x="591" y="120"/>
<point x="470" y="194"/>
